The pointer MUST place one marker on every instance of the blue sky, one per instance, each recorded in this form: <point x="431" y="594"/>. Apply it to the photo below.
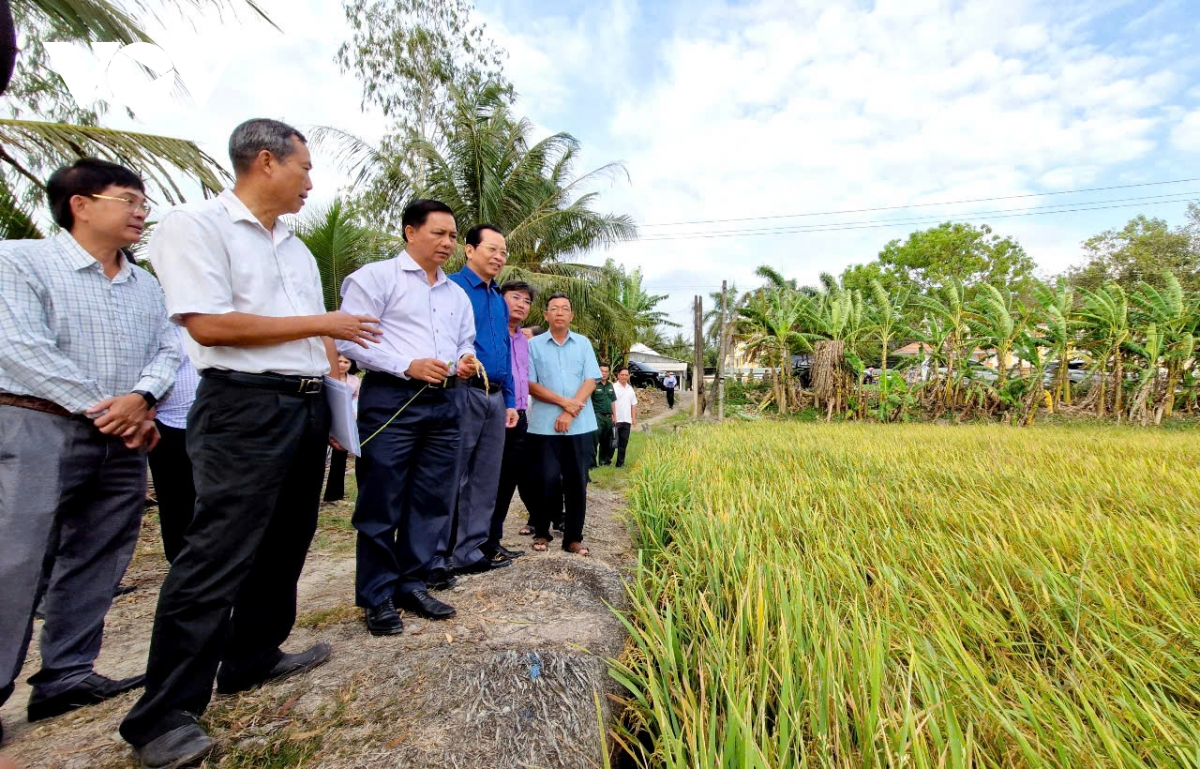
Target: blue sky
<point x="741" y="109"/>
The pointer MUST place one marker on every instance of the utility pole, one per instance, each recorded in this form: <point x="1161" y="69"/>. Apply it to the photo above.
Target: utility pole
<point x="721" y="360"/>
<point x="698" y="358"/>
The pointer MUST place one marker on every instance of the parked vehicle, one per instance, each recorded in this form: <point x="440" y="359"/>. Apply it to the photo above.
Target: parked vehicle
<point x="802" y="369"/>
<point x="644" y="375"/>
<point x="1077" y="372"/>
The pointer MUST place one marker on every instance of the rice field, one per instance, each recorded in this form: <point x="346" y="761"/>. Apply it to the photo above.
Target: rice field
<point x="882" y="596"/>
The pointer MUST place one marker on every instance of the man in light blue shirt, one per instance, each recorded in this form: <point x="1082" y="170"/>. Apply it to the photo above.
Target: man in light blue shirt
<point x="562" y="375"/>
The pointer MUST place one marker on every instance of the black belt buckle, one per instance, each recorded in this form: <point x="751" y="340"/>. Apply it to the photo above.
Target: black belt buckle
<point x="311" y="385"/>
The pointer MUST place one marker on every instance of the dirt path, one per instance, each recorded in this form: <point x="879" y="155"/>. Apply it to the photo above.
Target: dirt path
<point x="512" y="681"/>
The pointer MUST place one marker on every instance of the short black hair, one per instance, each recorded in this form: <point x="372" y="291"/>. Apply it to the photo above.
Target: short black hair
<point x="416" y="212"/>
<point x="86" y="176"/>
<point x="258" y="134"/>
<point x="475" y="234"/>
<point x="605" y="365"/>
<point x="559" y="295"/>
<point x="621" y="368"/>
<point x="536" y="330"/>
<point x="519" y="285"/>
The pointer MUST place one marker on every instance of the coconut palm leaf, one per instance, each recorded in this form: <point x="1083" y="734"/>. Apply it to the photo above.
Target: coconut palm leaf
<point x="95" y="20"/>
<point x="340" y="245"/>
<point x="156" y="158"/>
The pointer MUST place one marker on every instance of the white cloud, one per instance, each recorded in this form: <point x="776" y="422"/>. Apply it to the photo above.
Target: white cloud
<point x="1186" y="134"/>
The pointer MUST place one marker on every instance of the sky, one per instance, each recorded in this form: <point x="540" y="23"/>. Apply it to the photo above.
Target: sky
<point x="725" y="110"/>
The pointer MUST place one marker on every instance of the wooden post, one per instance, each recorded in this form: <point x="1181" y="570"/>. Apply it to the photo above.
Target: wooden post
<point x="721" y="360"/>
<point x="698" y="358"/>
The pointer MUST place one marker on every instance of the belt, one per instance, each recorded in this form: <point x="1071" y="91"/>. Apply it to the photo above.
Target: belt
<point x="491" y="388"/>
<point x="39" y="404"/>
<point x="414" y="384"/>
<point x="291" y="385"/>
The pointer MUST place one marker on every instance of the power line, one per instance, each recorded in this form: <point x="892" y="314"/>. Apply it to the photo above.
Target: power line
<point x="895" y="223"/>
<point x="909" y="220"/>
<point x="919" y="205"/>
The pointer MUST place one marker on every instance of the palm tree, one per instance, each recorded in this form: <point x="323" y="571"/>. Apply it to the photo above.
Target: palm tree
<point x="837" y="317"/>
<point x="488" y="170"/>
<point x="340" y="245"/>
<point x="768" y="324"/>
<point x="29" y="149"/>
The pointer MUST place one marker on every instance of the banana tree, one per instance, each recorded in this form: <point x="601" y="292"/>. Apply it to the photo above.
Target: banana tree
<point x="997" y="318"/>
<point x="1173" y="316"/>
<point x="886" y="316"/>
<point x="946" y="310"/>
<point x="1104" y="318"/>
<point x="1056" y="307"/>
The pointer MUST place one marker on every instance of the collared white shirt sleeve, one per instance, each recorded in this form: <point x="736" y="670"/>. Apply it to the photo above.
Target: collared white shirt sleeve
<point x="364" y="292"/>
<point x="215" y="257"/>
<point x="624" y="403"/>
<point x="190" y="260"/>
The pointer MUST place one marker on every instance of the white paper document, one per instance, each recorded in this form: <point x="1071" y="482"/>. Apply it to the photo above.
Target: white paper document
<point x="344" y="426"/>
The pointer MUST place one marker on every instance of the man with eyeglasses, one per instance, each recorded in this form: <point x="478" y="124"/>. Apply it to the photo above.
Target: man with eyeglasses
<point x="487" y="406"/>
<point x="86" y="351"/>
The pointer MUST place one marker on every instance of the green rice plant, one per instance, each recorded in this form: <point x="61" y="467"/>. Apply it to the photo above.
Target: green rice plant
<point x="859" y="595"/>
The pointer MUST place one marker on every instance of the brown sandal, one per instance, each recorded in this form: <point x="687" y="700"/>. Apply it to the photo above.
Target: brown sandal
<point x="540" y="544"/>
<point x="577" y="548"/>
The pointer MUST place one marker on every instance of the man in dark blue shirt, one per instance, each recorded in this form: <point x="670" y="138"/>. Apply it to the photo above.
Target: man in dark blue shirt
<point x="486" y="408"/>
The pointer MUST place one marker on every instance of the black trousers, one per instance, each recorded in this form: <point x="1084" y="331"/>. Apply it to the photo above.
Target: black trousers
<point x="622" y="441"/>
<point x="515" y="476"/>
<point x="562" y="471"/>
<point x="173" y="487"/>
<point x="335" y="486"/>
<point x="406" y="484"/>
<point x="671" y="398"/>
<point x="229" y="599"/>
<point x="604" y="441"/>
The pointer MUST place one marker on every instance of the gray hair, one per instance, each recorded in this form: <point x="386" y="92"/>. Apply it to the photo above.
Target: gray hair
<point x="254" y="136"/>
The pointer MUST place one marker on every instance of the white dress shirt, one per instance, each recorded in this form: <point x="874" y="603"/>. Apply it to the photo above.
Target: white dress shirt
<point x="624" y="402"/>
<point x="417" y="320"/>
<point x="215" y="257"/>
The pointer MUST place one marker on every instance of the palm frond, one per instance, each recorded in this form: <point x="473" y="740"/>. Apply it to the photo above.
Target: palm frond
<point x="155" y="158"/>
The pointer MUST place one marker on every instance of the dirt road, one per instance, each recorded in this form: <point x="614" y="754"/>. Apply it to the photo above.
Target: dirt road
<point x="512" y="681"/>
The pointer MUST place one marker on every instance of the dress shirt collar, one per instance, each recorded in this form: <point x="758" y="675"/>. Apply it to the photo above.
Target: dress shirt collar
<point x="240" y="212"/>
<point x="408" y="264"/>
<point x="82" y="260"/>
<point x="475" y="280"/>
<point x="570" y="335"/>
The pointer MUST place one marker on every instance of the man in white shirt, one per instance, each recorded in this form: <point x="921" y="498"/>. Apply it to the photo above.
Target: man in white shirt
<point x="669" y="384"/>
<point x="408" y="416"/>
<point x="624" y="411"/>
<point x="248" y="292"/>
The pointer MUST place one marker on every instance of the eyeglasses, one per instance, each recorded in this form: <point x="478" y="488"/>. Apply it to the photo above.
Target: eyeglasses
<point x="142" y="204"/>
<point x="495" y="250"/>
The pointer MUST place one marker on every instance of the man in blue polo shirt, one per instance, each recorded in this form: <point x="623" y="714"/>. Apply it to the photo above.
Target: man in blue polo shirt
<point x="562" y="375"/>
<point x="487" y="406"/>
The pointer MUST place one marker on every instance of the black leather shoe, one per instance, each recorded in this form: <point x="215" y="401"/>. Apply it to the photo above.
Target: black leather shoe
<point x="288" y="666"/>
<point x="421" y="603"/>
<point x="179" y="747"/>
<point x="510" y="554"/>
<point x="441" y="580"/>
<point x="91" y="690"/>
<point x="383" y="619"/>
<point x="485" y="564"/>
<point x="121" y="590"/>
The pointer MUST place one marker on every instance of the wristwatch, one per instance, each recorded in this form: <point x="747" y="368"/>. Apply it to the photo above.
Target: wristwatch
<point x="151" y="401"/>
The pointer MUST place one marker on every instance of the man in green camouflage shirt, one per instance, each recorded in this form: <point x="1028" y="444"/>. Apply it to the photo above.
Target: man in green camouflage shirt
<point x="602" y="400"/>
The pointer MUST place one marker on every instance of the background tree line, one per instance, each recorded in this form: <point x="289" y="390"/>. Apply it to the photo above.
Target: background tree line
<point x="1128" y="317"/>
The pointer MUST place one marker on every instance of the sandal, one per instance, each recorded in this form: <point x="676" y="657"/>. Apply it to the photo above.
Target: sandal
<point x="577" y="548"/>
<point x="526" y="530"/>
<point x="540" y="544"/>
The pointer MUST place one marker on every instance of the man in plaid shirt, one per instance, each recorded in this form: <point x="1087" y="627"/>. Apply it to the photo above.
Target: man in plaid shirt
<point x="86" y="350"/>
